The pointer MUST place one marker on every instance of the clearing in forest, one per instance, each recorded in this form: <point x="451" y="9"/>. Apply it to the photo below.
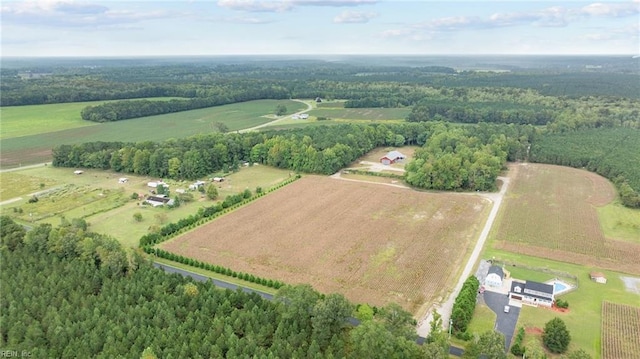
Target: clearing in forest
<point x="373" y="243"/>
<point x="620" y="331"/>
<point x="550" y="212"/>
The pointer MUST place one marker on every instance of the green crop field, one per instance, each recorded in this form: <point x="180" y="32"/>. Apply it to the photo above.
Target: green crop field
<point x="362" y="113"/>
<point x="18" y="121"/>
<point x="37" y="148"/>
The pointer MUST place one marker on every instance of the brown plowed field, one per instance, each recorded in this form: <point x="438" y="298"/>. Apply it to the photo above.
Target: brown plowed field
<point x="373" y="243"/>
<point x="550" y="212"/>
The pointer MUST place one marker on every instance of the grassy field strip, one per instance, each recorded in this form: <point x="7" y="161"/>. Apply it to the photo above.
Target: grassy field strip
<point x="19" y="121"/>
<point x="214" y="275"/>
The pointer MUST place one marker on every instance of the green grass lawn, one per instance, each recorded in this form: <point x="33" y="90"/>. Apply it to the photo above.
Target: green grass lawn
<point x="483" y="319"/>
<point x="619" y="222"/>
<point x="36" y="148"/>
<point x="14" y="184"/>
<point x="18" y="121"/>
<point x="584" y="318"/>
<point x="106" y="204"/>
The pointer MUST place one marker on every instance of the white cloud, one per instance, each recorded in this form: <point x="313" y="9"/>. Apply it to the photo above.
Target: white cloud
<point x="286" y="5"/>
<point x="555" y="16"/>
<point x="256" y="6"/>
<point x="354" y="17"/>
<point x="69" y="13"/>
<point x="612" y="9"/>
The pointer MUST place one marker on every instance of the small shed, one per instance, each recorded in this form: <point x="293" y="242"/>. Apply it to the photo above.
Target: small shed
<point x="78" y="172"/>
<point x="598" y="277"/>
<point x="304" y="116"/>
<point x="218" y="179"/>
<point x="392" y="157"/>
<point x="495" y="276"/>
<point x="123" y="180"/>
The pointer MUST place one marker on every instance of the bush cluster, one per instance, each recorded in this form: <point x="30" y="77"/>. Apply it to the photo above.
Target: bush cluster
<point x="560" y="303"/>
<point x="517" y="348"/>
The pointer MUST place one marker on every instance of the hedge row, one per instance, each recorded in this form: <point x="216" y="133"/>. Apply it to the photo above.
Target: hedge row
<point x="377" y="174"/>
<point x="204" y="215"/>
<point x="465" y="304"/>
<point x="214" y="268"/>
<point x="517" y="348"/>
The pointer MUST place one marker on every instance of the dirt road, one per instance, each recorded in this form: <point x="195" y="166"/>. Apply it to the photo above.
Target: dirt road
<point x="444" y="309"/>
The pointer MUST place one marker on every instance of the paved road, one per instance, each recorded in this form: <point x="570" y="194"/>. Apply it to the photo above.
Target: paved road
<point x="24" y="167"/>
<point x="446" y="307"/>
<point x="505" y="322"/>
<point x="216" y="282"/>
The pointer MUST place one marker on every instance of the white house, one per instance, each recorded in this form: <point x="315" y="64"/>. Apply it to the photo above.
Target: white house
<point x="494" y="278"/>
<point x="304" y="116"/>
<point x="532" y="293"/>
<point x="218" y="179"/>
<point x="78" y="172"/>
<point x="123" y="180"/>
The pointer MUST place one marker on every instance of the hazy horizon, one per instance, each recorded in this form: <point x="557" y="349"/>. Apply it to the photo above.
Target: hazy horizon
<point x="143" y="28"/>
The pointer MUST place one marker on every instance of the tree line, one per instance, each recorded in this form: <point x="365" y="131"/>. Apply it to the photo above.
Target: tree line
<point x="67" y="301"/>
<point x="322" y="149"/>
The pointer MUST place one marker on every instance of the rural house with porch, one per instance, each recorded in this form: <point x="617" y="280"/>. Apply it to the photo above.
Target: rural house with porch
<point x="532" y="293"/>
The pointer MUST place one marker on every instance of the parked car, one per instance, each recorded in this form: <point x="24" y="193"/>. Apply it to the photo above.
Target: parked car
<point x="506" y="309"/>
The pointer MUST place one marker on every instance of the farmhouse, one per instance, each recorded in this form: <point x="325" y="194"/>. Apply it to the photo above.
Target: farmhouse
<point x="494" y="278"/>
<point x="392" y="157"/>
<point x="159" y="200"/>
<point x="532" y="293"/>
<point x="598" y="277"/>
<point x="155" y="184"/>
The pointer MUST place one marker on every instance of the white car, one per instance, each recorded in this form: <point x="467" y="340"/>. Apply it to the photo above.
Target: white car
<point x="506" y="309"/>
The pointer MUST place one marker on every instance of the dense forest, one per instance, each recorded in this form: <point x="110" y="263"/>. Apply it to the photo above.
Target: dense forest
<point x="78" y="294"/>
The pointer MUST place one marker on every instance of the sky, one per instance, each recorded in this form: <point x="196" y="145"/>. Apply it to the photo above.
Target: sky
<point x="310" y="27"/>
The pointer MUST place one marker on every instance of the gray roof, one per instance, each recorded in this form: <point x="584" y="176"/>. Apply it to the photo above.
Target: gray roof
<point x="514" y="284"/>
<point x="497" y="270"/>
<point x="539" y="287"/>
<point x="392" y="155"/>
